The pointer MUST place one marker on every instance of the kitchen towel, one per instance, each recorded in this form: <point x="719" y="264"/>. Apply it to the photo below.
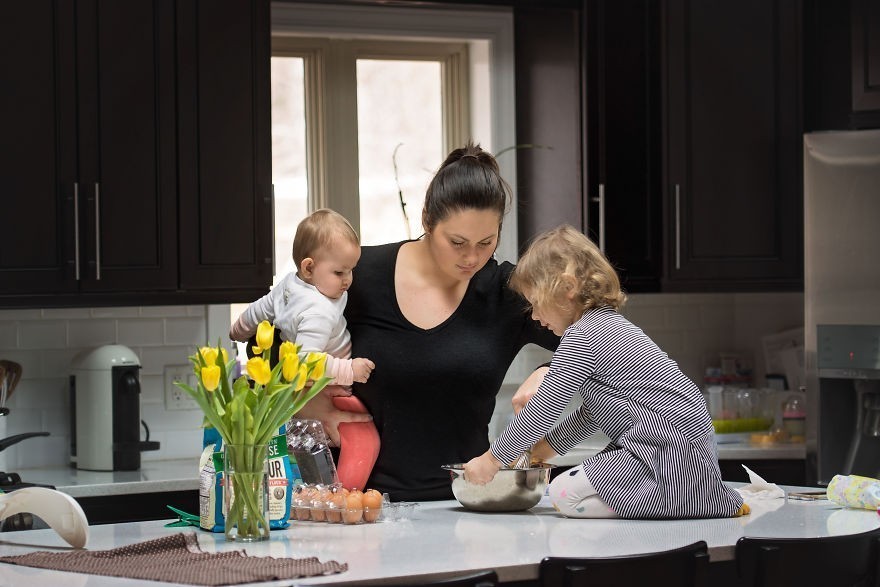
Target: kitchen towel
<point x="759" y="488"/>
<point x="178" y="559"/>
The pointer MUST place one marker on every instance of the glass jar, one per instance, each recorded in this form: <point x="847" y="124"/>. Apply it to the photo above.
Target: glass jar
<point x="794" y="416"/>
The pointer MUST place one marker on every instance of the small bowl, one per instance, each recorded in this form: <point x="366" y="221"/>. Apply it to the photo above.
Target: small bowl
<point x="511" y="490"/>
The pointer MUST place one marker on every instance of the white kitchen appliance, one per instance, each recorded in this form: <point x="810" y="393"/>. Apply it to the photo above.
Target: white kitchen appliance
<point x="842" y="303"/>
<point x="105" y="410"/>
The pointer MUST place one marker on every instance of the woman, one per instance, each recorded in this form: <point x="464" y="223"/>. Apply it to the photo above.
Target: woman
<point x="438" y="320"/>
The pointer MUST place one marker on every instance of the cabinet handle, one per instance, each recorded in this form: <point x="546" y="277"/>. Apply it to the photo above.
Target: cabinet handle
<point x="97" y="231"/>
<point x="76" y="228"/>
<point x="602" y="217"/>
<point x="677" y="227"/>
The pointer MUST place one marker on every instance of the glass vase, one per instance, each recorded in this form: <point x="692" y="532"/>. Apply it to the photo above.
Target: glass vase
<point x="245" y="492"/>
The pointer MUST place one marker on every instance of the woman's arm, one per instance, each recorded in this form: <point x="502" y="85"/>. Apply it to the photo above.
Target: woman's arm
<point x="321" y="408"/>
<point x="528" y="388"/>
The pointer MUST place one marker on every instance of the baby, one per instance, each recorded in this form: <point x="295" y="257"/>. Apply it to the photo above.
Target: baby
<point x="307" y="308"/>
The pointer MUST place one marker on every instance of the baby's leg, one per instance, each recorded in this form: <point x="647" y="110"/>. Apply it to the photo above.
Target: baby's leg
<point x="572" y="494"/>
<point x="358" y="446"/>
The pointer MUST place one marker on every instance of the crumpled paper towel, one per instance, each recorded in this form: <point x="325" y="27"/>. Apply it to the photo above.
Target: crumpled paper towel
<point x="759" y="488"/>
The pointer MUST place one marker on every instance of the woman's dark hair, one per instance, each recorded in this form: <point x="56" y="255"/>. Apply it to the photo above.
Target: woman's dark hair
<point x="468" y="179"/>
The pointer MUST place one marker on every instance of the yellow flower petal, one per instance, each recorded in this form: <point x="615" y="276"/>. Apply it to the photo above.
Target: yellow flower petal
<point x="320" y="360"/>
<point x="211" y="377"/>
<point x="265" y="335"/>
<point x="209" y="354"/>
<point x="289" y="366"/>
<point x="258" y="369"/>
<point x="285" y="349"/>
<point x="303" y="375"/>
<point x="225" y="355"/>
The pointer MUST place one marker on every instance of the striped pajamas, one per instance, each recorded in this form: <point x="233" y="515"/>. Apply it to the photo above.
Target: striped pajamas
<point x="662" y="460"/>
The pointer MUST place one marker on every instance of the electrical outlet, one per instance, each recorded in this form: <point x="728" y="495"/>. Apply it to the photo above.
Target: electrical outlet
<point x="176" y="398"/>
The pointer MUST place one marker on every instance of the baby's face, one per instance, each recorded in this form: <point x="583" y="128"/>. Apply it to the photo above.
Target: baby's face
<point x="332" y="271"/>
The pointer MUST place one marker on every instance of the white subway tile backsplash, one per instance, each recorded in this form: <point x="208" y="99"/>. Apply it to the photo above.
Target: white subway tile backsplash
<point x="691" y="328"/>
<point x="91" y="333"/>
<point x="43" y="334"/>
<point x="8" y="335"/>
<point x="66" y="314"/>
<point x="116" y="313"/>
<point x="142" y="331"/>
<point x="185" y="330"/>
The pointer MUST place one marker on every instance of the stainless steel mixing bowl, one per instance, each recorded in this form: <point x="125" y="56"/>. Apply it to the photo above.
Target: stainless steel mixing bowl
<point x="512" y="490"/>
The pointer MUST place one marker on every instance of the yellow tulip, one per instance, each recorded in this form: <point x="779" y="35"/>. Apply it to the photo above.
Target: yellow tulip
<point x="285" y="349"/>
<point x="209" y="354"/>
<point x="211" y="377"/>
<point x="289" y="366"/>
<point x="303" y="375"/>
<point x="320" y="360"/>
<point x="225" y="355"/>
<point x="258" y="369"/>
<point x="265" y="335"/>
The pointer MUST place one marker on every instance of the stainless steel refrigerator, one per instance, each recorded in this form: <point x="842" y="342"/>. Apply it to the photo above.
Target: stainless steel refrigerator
<point x="842" y="303"/>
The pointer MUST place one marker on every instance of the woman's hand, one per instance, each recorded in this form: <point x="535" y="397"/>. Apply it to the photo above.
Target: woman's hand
<point x="482" y="469"/>
<point x="542" y="451"/>
<point x="321" y="408"/>
<point x="528" y="388"/>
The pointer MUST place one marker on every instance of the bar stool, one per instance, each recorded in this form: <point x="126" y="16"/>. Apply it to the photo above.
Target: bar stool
<point x="842" y="561"/>
<point x="680" y="567"/>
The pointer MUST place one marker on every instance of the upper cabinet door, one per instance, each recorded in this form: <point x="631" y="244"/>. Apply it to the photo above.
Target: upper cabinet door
<point x="38" y="148"/>
<point x="126" y="145"/>
<point x="88" y="152"/>
<point x="224" y="103"/>
<point x="732" y="150"/>
<point x="623" y="194"/>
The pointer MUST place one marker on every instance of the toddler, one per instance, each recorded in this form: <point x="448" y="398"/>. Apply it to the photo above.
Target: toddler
<point x="306" y="307"/>
<point x="662" y="460"/>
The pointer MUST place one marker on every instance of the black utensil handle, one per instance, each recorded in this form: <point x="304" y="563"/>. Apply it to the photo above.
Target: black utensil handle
<point x="10" y="440"/>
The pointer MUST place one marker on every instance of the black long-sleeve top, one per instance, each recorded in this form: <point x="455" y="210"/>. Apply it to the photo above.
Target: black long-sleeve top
<point x="433" y="391"/>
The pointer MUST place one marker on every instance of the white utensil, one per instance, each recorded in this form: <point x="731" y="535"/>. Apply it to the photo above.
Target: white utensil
<point x="59" y="510"/>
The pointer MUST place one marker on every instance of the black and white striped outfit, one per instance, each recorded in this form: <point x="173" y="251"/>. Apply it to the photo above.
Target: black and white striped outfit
<point x="662" y="461"/>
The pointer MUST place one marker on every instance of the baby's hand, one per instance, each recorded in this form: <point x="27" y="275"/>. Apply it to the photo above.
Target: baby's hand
<point x="362" y="369"/>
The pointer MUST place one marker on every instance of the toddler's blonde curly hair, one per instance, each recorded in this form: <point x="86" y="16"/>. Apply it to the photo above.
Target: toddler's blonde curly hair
<point x="565" y="251"/>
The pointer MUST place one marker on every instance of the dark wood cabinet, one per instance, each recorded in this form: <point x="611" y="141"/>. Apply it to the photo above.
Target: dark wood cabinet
<point x="732" y="154"/>
<point x="136" y="153"/>
<point x="90" y="153"/>
<point x="622" y="133"/>
<point x="226" y="231"/>
<point x="865" y="45"/>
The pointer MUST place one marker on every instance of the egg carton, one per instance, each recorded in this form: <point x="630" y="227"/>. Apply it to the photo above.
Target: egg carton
<point x="328" y="503"/>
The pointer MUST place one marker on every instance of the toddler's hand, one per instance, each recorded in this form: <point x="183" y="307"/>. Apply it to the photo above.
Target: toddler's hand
<point x="362" y="369"/>
<point x="482" y="469"/>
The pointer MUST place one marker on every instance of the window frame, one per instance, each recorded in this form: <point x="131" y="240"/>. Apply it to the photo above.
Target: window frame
<point x="487" y="34"/>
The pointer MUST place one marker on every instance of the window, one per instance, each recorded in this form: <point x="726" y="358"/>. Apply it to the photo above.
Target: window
<point x="356" y="89"/>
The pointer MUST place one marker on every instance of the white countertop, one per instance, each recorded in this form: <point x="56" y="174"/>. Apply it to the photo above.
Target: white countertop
<point x="182" y="474"/>
<point x="442" y="539"/>
<point x="153" y="477"/>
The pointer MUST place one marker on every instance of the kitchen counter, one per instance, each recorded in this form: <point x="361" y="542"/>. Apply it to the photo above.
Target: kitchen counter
<point x="442" y="538"/>
<point x="153" y="477"/>
<point x="182" y="474"/>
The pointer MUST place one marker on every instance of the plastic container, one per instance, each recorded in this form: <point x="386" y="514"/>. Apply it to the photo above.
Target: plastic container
<point x="739" y="410"/>
<point x="794" y="416"/>
<point x="330" y="504"/>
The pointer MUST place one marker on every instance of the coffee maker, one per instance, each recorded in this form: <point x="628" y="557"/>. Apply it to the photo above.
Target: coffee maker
<point x="105" y="411"/>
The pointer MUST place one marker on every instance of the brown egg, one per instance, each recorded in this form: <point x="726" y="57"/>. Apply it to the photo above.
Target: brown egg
<point x="372" y="501"/>
<point x="335" y="508"/>
<point x="354" y="508"/>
